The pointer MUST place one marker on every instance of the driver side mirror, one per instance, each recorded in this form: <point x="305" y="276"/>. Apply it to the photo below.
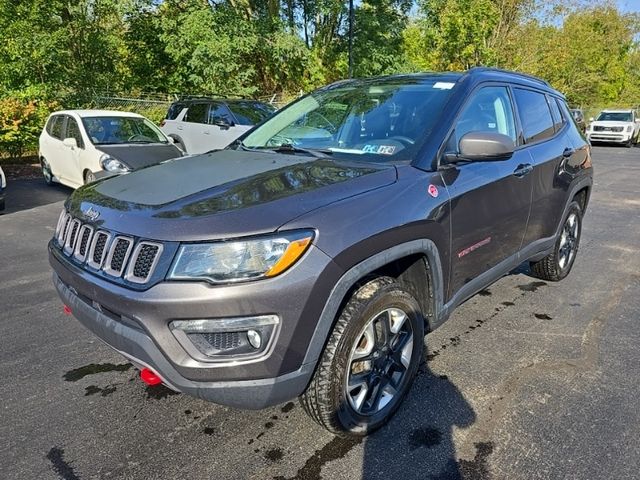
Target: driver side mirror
<point x="223" y="123"/>
<point x="483" y="147"/>
<point x="591" y="119"/>
<point x="70" y="142"/>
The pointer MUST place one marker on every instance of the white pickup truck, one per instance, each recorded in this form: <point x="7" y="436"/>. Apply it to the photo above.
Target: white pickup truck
<point x="616" y="126"/>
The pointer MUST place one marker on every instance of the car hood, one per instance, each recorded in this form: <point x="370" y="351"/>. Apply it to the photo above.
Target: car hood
<point x="611" y="123"/>
<point x="137" y="156"/>
<point x="223" y="194"/>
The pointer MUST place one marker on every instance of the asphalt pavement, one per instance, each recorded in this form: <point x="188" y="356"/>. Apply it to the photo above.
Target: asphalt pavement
<point x="527" y="380"/>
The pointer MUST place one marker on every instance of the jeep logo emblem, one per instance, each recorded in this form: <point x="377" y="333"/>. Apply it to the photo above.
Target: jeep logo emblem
<point x="91" y="214"/>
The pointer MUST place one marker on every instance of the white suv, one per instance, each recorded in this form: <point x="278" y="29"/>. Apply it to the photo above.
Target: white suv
<point x="200" y="124"/>
<point x="618" y="126"/>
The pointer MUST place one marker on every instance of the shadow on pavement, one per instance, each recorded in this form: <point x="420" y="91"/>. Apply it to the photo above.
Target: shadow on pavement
<point x="418" y="442"/>
<point x="24" y="194"/>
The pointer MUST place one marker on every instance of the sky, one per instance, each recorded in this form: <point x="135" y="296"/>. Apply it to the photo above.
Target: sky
<point x="629" y="5"/>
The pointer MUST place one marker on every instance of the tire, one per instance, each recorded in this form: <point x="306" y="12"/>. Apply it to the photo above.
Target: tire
<point x="46" y="172"/>
<point x="89" y="177"/>
<point x="557" y="265"/>
<point x="353" y="345"/>
<point x="178" y="143"/>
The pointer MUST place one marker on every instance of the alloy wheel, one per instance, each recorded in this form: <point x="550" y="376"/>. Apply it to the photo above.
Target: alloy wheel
<point x="568" y="241"/>
<point x="379" y="362"/>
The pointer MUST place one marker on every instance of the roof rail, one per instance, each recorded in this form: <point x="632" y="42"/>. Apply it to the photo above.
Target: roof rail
<point x="510" y="72"/>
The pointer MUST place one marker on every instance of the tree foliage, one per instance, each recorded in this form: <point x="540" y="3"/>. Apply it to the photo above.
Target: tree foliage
<point x="64" y="50"/>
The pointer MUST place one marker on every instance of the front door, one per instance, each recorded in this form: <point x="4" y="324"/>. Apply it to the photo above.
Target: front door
<point x="490" y="200"/>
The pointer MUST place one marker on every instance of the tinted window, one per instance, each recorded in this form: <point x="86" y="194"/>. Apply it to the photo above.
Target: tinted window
<point x="488" y="110"/>
<point x="558" y="121"/>
<point x="535" y="116"/>
<point x="73" y="131"/>
<point x="56" y="122"/>
<point x="197" y="113"/>
<point x="251" y="113"/>
<point x="218" y="112"/>
<point x="174" y="110"/>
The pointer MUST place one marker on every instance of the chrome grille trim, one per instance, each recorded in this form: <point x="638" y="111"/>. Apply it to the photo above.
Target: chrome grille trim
<point x="96" y="237"/>
<point x="61" y="218"/>
<point x="64" y="226"/>
<point x="129" y="275"/>
<point x="82" y="244"/>
<point x="71" y="237"/>
<point x="115" y="243"/>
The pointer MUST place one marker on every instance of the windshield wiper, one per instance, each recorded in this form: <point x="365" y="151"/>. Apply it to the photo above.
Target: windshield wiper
<point x="290" y="148"/>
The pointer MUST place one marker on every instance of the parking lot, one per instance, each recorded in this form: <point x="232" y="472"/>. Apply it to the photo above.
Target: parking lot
<point x="527" y="379"/>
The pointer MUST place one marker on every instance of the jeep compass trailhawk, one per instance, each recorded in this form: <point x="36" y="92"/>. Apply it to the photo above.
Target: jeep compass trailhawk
<point x="309" y="258"/>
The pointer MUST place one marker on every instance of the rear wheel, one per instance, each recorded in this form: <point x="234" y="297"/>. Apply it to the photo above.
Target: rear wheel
<point x="557" y="265"/>
<point x="46" y="171"/>
<point x="370" y="361"/>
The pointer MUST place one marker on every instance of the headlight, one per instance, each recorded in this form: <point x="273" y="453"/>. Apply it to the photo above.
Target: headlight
<point x="233" y="261"/>
<point x="110" y="164"/>
<point x="629" y="128"/>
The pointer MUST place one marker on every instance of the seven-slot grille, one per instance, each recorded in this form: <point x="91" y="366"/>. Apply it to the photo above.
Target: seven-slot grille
<point x="114" y="255"/>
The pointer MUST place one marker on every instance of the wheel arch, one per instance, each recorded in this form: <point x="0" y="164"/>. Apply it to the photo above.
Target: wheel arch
<point x="415" y="264"/>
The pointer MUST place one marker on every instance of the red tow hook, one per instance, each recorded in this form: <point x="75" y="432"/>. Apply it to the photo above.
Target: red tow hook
<point x="66" y="309"/>
<point x="149" y="377"/>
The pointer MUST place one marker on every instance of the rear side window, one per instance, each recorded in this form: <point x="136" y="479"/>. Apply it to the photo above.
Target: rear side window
<point x="174" y="110"/>
<point x="54" y="127"/>
<point x="73" y="131"/>
<point x="197" y="113"/>
<point x="558" y="120"/>
<point x="535" y="115"/>
<point x="251" y="113"/>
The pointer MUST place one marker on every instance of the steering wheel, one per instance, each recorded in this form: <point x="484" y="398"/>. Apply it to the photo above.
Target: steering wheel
<point x="403" y="139"/>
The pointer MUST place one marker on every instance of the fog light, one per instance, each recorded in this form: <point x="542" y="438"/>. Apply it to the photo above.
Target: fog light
<point x="254" y="339"/>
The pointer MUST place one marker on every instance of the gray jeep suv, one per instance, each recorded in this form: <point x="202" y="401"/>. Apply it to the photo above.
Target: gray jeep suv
<point x="310" y="257"/>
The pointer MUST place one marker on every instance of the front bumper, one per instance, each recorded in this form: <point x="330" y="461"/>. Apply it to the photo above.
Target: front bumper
<point x="613" y="137"/>
<point x="136" y="324"/>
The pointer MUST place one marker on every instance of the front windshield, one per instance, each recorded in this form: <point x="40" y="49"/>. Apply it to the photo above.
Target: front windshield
<point x="615" y="117"/>
<point x="387" y="120"/>
<point x="119" y="130"/>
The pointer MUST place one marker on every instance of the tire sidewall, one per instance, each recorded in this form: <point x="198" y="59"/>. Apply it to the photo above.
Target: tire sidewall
<point x="563" y="272"/>
<point x="46" y="169"/>
<point x="388" y="296"/>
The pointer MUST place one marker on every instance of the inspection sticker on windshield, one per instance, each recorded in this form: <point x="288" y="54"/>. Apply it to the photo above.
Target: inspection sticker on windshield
<point x="379" y="149"/>
<point x="443" y="85"/>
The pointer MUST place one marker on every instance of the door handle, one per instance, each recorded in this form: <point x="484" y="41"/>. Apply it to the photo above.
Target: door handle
<point x="523" y="169"/>
<point x="179" y="127"/>
<point x="568" y="152"/>
<point x="206" y="132"/>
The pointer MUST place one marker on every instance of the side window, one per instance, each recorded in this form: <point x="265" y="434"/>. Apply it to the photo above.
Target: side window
<point x="174" y="110"/>
<point x="73" y="131"/>
<point x="57" y="122"/>
<point x="535" y="115"/>
<point x="488" y="110"/>
<point x="558" y="120"/>
<point x="218" y="112"/>
<point x="197" y="113"/>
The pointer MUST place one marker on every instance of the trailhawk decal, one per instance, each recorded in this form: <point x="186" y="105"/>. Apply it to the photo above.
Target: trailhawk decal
<point x="473" y="247"/>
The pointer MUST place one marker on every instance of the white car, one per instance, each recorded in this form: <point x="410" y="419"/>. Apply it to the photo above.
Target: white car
<point x="201" y="124"/>
<point x="3" y="185"/>
<point x="617" y="126"/>
<point x="78" y="146"/>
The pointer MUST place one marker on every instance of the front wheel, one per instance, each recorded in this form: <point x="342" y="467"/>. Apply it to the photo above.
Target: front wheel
<point x="89" y="177"/>
<point x="46" y="171"/>
<point x="557" y="265"/>
<point x="369" y="362"/>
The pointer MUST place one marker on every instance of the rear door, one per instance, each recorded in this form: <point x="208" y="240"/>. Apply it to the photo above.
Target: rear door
<point x="195" y="126"/>
<point x="490" y="200"/>
<point x="545" y="137"/>
<point x="54" y="152"/>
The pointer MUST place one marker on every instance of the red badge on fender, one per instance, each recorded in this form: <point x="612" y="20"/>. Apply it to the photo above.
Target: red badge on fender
<point x="433" y="190"/>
